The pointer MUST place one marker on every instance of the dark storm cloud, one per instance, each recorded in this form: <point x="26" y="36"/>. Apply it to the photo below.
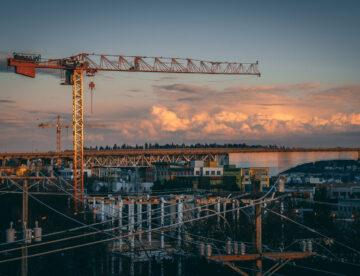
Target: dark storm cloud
<point x="190" y="99"/>
<point x="6" y="101"/>
<point x="182" y="88"/>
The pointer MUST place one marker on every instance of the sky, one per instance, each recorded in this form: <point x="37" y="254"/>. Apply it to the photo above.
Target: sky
<point x="308" y="52"/>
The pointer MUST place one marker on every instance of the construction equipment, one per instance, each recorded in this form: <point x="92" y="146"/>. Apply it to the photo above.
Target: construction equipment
<point x="58" y="132"/>
<point x="74" y="67"/>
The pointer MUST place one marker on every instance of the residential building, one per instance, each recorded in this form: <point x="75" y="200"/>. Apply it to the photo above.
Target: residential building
<point x="261" y="174"/>
<point x="232" y="171"/>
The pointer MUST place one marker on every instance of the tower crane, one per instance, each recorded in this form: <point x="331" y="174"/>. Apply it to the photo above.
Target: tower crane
<point x="75" y="66"/>
<point x="59" y="126"/>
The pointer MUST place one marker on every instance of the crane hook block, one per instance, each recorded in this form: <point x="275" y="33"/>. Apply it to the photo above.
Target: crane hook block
<point x="92" y="86"/>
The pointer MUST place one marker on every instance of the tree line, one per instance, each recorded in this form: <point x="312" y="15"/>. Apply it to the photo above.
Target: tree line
<point x="174" y="146"/>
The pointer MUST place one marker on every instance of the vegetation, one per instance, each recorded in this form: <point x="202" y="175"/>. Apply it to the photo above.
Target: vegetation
<point x="332" y="166"/>
<point x="174" y="146"/>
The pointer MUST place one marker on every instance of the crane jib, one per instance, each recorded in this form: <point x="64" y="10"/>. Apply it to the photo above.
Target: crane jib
<point x="26" y="64"/>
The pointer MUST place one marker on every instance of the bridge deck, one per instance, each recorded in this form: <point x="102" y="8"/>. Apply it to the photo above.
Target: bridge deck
<point x="175" y="151"/>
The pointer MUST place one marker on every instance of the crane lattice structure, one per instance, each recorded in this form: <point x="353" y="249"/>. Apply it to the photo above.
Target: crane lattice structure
<point x="75" y="66"/>
<point x="59" y="126"/>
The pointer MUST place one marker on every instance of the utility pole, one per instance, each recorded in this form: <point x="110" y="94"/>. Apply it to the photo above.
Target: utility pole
<point x="25" y="204"/>
<point x="257" y="255"/>
<point x="58" y="137"/>
<point x="258" y="230"/>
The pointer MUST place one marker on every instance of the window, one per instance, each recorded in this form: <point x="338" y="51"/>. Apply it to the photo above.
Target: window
<point x="197" y="172"/>
<point x="212" y="172"/>
<point x="207" y="172"/>
<point x="218" y="172"/>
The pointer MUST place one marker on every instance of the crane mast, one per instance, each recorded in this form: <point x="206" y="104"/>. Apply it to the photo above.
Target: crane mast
<point x="78" y="132"/>
<point x="59" y="126"/>
<point x="58" y="135"/>
<point x="75" y="66"/>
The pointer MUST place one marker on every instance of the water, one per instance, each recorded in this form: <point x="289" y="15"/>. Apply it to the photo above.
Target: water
<point x="281" y="161"/>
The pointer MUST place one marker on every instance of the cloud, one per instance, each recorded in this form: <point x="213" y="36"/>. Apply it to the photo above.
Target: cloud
<point x="226" y="116"/>
<point x="215" y="128"/>
<point x="256" y="112"/>
<point x="237" y="125"/>
<point x="232" y="96"/>
<point x="182" y="112"/>
<point x="344" y="97"/>
<point x="185" y="91"/>
<point x="184" y="88"/>
<point x="168" y="78"/>
<point x="306" y="86"/>
<point x="6" y="101"/>
<point x="168" y="120"/>
<point x="94" y="138"/>
<point x="190" y="99"/>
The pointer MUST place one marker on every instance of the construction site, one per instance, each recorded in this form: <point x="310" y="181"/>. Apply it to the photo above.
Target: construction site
<point x="54" y="225"/>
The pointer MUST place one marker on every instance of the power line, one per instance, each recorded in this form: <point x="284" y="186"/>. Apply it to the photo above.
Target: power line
<point x="153" y="229"/>
<point x="337" y="260"/>
<point x="46" y="205"/>
<point x="317" y="270"/>
<point x="314" y="231"/>
<point x="86" y="234"/>
<point x="224" y="212"/>
<point x="104" y="231"/>
<point x="324" y="203"/>
<point x="34" y="193"/>
<point x="90" y="226"/>
<point x="123" y="236"/>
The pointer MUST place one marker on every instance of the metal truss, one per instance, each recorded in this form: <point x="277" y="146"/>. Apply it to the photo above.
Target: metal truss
<point x="145" y="157"/>
<point x="78" y="133"/>
<point x="95" y="62"/>
<point x="142" y="160"/>
<point x="91" y="63"/>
